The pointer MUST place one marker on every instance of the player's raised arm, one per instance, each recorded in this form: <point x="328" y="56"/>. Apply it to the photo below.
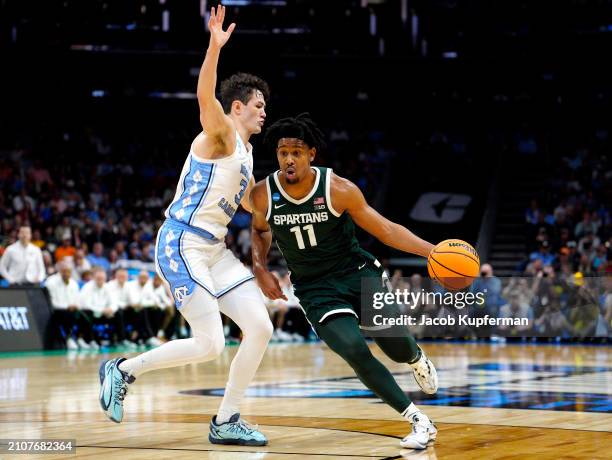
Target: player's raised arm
<point x="346" y="196"/>
<point x="261" y="240"/>
<point x="212" y="117"/>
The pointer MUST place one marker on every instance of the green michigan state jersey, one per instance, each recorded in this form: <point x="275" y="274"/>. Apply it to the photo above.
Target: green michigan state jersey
<point x="314" y="238"/>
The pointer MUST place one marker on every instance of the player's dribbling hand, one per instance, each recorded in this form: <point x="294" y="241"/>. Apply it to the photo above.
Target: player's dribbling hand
<point x="218" y="37"/>
<point x="269" y="285"/>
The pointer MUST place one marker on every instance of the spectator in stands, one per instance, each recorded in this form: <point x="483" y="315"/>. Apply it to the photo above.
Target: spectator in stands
<point x="491" y="286"/>
<point x="64" y="294"/>
<point x="543" y="254"/>
<point x="119" y="289"/>
<point x="552" y="322"/>
<point x="22" y="262"/>
<point x="585" y="226"/>
<point x="97" y="258"/>
<point x="120" y="250"/>
<point x="96" y="302"/>
<point x="66" y="249"/>
<point x="516" y="308"/>
<point x="81" y="265"/>
<point x="532" y="214"/>
<point x="584" y="313"/>
<point x="37" y="239"/>
<point x="142" y="298"/>
<point x="599" y="259"/>
<point x="48" y="262"/>
<point x="164" y="301"/>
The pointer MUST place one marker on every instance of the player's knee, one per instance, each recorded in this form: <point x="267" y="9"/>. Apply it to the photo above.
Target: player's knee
<point x="260" y="327"/>
<point x="357" y="353"/>
<point x="209" y="347"/>
<point x="217" y="345"/>
<point x="266" y="329"/>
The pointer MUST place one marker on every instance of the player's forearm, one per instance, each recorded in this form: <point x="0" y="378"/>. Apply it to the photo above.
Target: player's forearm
<point x="260" y="246"/>
<point x="207" y="81"/>
<point x="401" y="238"/>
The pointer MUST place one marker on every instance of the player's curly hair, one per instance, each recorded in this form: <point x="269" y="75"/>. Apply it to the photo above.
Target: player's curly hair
<point x="239" y="87"/>
<point x="301" y="127"/>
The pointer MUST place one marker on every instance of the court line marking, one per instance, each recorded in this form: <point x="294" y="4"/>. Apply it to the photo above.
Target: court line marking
<point x="230" y="451"/>
<point x="317" y="418"/>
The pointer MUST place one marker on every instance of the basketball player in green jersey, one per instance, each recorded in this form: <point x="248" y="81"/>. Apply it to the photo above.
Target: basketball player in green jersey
<point x="310" y="211"/>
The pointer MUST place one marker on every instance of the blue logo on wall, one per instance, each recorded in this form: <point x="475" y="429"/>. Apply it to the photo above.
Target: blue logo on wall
<point x="275" y="196"/>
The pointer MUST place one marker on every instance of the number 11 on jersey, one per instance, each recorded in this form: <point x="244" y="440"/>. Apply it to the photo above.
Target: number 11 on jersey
<point x="312" y="239"/>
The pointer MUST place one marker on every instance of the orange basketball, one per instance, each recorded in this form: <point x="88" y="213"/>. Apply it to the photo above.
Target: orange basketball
<point x="454" y="264"/>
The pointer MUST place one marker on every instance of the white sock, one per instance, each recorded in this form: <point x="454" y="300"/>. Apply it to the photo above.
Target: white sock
<point x="230" y="403"/>
<point x="246" y="308"/>
<point x="411" y="411"/>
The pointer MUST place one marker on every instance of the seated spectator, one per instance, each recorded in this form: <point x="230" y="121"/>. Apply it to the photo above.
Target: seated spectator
<point x="516" y="308"/>
<point x="599" y="259"/>
<point x="65" y="250"/>
<point x="80" y="265"/>
<point x="585" y="226"/>
<point x="543" y="254"/>
<point x="97" y="258"/>
<point x="164" y="301"/>
<point x="64" y="294"/>
<point x="491" y="286"/>
<point x="120" y="293"/>
<point x="584" y="313"/>
<point x="143" y="300"/>
<point x="96" y="303"/>
<point x="552" y="322"/>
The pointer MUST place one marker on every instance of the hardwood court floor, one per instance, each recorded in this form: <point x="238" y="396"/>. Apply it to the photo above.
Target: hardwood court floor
<point x="494" y="402"/>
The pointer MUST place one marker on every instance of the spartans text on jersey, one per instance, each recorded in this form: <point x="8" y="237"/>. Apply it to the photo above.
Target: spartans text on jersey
<point x="302" y="218"/>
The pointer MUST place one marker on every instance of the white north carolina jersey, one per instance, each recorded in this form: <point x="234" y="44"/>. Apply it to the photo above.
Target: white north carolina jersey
<point x="209" y="191"/>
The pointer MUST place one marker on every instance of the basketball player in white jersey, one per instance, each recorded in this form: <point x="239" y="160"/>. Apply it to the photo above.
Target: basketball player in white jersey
<point x="204" y="276"/>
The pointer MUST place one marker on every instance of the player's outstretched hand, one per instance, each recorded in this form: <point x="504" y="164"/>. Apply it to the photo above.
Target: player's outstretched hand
<point x="218" y="37"/>
<point x="269" y="285"/>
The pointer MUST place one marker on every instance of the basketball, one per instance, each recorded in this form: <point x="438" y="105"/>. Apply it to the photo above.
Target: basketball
<point x="454" y="264"/>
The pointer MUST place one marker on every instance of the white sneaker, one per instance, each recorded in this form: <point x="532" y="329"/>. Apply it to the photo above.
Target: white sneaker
<point x="423" y="432"/>
<point x="297" y="337"/>
<point x="71" y="344"/>
<point x="94" y="345"/>
<point x="425" y="374"/>
<point x="82" y="344"/>
<point x="154" y="342"/>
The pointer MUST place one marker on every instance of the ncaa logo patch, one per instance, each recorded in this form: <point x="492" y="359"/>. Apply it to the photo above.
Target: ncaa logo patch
<point x="275" y="196"/>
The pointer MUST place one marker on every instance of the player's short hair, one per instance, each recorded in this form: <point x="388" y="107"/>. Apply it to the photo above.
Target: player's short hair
<point x="239" y="87"/>
<point x="300" y="127"/>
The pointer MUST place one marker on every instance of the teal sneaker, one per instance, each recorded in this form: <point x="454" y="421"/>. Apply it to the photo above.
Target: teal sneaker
<point x="235" y="431"/>
<point x="113" y="388"/>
